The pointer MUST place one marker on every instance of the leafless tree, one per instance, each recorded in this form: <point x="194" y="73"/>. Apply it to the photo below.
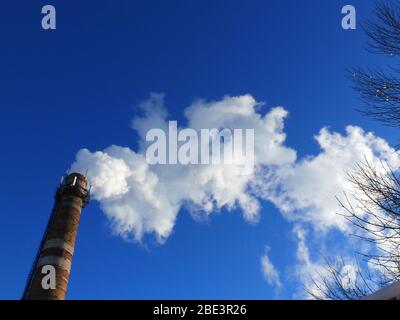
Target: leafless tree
<point x="380" y="90"/>
<point x="374" y="207"/>
<point x="376" y="214"/>
<point x="374" y="211"/>
<point x="331" y="285"/>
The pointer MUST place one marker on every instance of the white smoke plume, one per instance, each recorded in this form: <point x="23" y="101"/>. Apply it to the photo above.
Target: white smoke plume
<point x="141" y="199"/>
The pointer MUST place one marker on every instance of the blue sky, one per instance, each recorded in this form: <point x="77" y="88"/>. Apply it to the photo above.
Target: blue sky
<point x="77" y="87"/>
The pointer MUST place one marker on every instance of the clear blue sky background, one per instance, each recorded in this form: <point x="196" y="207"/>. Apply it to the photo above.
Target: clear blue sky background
<point x="77" y="87"/>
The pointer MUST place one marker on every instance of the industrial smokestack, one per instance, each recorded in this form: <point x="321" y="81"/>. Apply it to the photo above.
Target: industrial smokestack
<point x="48" y="279"/>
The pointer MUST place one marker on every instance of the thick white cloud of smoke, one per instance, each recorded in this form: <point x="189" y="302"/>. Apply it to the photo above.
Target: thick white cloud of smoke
<point x="141" y="199"/>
